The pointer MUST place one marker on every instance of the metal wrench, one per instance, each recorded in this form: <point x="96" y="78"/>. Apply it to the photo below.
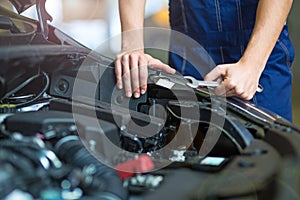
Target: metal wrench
<point x="194" y="83"/>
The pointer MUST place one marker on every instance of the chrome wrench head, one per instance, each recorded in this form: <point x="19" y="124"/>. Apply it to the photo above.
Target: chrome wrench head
<point x="194" y="83"/>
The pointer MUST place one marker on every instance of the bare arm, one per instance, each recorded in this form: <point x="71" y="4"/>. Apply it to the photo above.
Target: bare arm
<point x="132" y="64"/>
<point x="242" y="78"/>
<point x="132" y="21"/>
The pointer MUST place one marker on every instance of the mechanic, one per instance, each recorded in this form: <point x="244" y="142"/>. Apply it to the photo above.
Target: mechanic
<point x="248" y="40"/>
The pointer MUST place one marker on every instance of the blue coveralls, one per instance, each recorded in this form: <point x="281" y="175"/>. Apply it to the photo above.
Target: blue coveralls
<point x="223" y="28"/>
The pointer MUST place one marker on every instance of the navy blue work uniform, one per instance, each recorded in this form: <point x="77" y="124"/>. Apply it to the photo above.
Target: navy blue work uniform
<point x="223" y="28"/>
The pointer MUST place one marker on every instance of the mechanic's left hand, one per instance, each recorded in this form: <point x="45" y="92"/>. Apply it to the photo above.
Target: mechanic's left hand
<point x="238" y="79"/>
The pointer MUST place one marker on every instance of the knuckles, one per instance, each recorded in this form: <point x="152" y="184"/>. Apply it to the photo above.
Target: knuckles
<point x="239" y="91"/>
<point x="142" y="60"/>
<point x="124" y="60"/>
<point x="133" y="57"/>
<point x="231" y="84"/>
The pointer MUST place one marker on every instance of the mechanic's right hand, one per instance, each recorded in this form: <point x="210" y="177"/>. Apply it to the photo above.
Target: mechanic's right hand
<point x="131" y="70"/>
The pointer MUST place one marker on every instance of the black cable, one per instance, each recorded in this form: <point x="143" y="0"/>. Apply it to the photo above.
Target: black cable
<point x="39" y="95"/>
<point x="24" y="84"/>
<point x="21" y="86"/>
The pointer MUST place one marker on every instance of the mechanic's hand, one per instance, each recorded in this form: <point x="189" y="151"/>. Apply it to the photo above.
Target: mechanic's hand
<point x="131" y="70"/>
<point x="237" y="79"/>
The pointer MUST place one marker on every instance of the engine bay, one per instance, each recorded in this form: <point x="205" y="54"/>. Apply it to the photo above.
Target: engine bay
<point x="72" y="143"/>
<point x="67" y="132"/>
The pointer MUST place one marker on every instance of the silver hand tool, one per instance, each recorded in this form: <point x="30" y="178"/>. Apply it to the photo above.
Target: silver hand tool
<point x="194" y="83"/>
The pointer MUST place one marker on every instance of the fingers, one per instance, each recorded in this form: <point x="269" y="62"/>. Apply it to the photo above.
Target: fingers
<point x="216" y="74"/>
<point x="118" y="72"/>
<point x="163" y="67"/>
<point x="235" y="81"/>
<point x="242" y="96"/>
<point x="132" y="73"/>
<point x="226" y="87"/>
<point x="143" y="74"/>
<point x="126" y="75"/>
<point x="157" y="64"/>
<point x="229" y="88"/>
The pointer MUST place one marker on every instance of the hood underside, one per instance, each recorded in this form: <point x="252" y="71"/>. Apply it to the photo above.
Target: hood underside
<point x="22" y="5"/>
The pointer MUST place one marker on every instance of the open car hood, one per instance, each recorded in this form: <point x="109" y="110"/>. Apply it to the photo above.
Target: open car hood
<point x="22" y="5"/>
<point x="43" y="15"/>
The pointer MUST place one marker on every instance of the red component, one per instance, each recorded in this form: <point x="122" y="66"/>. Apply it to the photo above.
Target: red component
<point x="142" y="164"/>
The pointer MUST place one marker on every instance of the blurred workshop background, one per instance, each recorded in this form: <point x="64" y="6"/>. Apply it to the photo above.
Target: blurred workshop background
<point x="93" y="22"/>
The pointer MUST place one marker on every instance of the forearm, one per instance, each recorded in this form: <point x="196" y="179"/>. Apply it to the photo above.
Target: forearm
<point x="132" y="22"/>
<point x="270" y="18"/>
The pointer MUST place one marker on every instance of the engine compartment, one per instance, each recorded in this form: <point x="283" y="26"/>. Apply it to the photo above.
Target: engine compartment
<point x="66" y="132"/>
<point x="152" y="143"/>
